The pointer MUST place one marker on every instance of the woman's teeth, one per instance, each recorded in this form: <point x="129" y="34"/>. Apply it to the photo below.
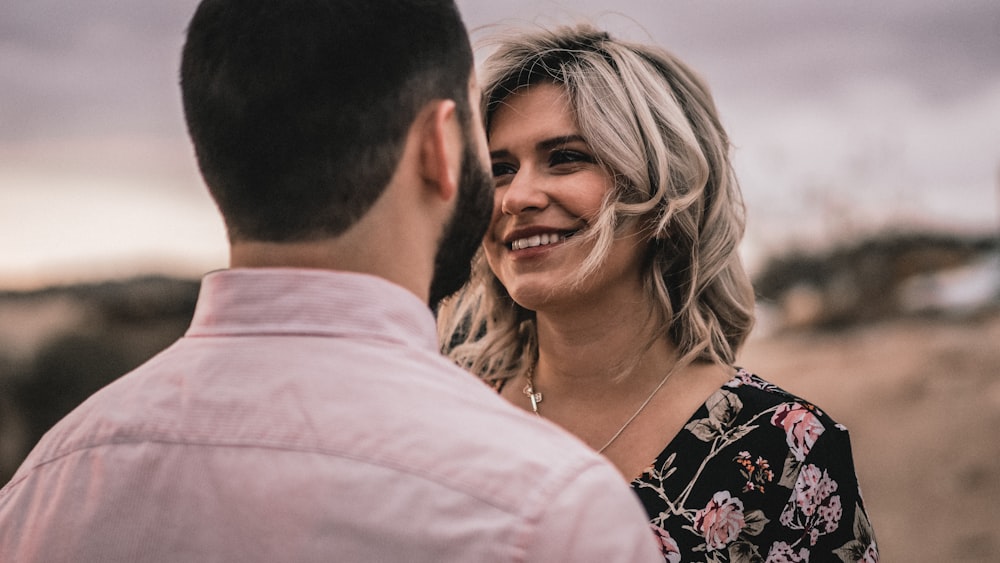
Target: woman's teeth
<point x="536" y="240"/>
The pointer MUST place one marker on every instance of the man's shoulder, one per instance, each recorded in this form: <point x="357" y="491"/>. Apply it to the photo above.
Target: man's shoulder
<point x="423" y="437"/>
<point x="422" y="419"/>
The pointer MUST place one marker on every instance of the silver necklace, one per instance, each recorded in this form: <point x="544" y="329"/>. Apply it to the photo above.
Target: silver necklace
<point x="536" y="397"/>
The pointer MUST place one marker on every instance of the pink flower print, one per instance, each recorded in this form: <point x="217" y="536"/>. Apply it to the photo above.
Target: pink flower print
<point x="741" y="378"/>
<point x="813" y="506"/>
<point x="811" y="488"/>
<point x="721" y="521"/>
<point x="781" y="552"/>
<point x="829" y="514"/>
<point x="802" y="428"/>
<point x="670" y="549"/>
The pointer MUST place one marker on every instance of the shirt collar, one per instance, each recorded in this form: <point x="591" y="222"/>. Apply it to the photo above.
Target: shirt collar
<point x="284" y="301"/>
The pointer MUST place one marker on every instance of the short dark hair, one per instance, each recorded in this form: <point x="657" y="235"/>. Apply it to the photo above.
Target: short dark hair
<point x="298" y="109"/>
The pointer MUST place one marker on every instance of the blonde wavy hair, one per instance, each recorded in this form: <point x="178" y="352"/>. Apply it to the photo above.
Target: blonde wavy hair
<point x="652" y="124"/>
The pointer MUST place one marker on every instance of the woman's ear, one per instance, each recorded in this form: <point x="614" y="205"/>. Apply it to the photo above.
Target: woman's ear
<point x="441" y="148"/>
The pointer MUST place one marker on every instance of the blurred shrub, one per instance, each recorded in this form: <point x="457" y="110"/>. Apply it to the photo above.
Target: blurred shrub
<point x="126" y="323"/>
<point x="860" y="282"/>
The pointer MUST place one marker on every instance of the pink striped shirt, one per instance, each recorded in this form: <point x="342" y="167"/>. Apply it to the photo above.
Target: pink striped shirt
<point x="307" y="416"/>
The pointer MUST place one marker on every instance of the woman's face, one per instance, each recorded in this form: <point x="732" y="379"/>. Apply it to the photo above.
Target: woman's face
<point x="549" y="187"/>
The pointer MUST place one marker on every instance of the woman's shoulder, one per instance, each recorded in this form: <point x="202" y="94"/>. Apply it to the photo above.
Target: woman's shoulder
<point x="749" y="413"/>
<point x="749" y="418"/>
<point x="756" y="395"/>
<point x="761" y="472"/>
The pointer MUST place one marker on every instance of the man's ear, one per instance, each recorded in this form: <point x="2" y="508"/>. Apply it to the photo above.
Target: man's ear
<point x="441" y="147"/>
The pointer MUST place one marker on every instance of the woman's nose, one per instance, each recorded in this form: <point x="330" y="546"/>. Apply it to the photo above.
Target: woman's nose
<point x="524" y="193"/>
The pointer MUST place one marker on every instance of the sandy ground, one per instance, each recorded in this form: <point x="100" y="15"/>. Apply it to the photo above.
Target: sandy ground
<point x="922" y="401"/>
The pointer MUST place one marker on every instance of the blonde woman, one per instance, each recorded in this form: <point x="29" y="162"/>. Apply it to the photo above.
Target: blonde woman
<point x="609" y="298"/>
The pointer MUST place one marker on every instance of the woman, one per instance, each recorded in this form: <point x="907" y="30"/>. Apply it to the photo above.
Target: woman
<point x="609" y="298"/>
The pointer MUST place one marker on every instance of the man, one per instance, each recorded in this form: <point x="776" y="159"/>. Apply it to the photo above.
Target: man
<point x="307" y="415"/>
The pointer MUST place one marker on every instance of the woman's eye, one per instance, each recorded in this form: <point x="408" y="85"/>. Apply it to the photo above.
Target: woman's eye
<point x="501" y="169"/>
<point x="569" y="157"/>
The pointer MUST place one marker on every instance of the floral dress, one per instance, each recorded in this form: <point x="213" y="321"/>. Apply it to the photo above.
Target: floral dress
<point x="757" y="475"/>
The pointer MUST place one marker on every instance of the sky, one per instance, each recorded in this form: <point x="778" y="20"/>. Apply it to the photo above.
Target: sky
<point x="847" y="118"/>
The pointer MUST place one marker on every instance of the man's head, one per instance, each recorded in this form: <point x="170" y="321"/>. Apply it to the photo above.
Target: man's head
<point x="299" y="109"/>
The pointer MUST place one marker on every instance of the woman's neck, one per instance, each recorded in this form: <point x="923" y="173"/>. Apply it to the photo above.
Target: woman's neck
<point x="593" y="348"/>
<point x="610" y="375"/>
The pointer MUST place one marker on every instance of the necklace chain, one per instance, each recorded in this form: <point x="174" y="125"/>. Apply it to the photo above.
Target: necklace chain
<point x="536" y="397"/>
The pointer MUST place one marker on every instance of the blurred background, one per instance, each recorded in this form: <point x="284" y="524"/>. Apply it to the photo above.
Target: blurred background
<point x="867" y="142"/>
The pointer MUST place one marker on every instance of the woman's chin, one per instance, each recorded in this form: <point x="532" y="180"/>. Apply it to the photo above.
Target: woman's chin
<point x="535" y="297"/>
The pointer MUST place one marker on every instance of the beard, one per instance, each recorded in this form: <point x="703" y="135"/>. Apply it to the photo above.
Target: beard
<point x="464" y="232"/>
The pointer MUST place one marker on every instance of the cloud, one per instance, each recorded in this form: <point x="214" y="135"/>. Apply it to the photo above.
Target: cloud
<point x="796" y="48"/>
<point x="853" y="101"/>
<point x="89" y="68"/>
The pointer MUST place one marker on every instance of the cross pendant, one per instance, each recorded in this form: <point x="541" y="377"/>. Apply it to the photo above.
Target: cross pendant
<point x="535" y="397"/>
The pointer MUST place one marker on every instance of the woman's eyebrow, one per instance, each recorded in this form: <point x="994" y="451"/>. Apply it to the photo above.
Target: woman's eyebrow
<point x="554" y="142"/>
<point x="546" y="145"/>
<point x="500" y="154"/>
